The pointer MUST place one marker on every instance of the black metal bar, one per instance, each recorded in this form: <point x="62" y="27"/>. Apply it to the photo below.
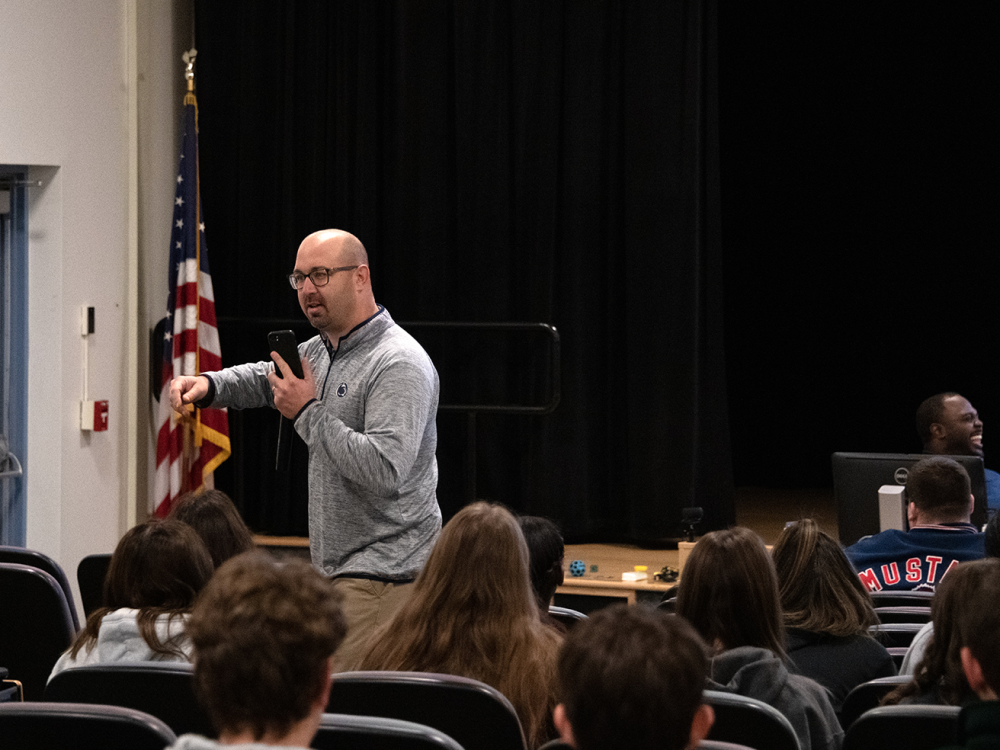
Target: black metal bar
<point x="555" y="379"/>
<point x="470" y="457"/>
<point x="555" y="370"/>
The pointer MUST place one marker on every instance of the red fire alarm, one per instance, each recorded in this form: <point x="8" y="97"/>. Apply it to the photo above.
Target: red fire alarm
<point x="94" y="415"/>
<point x="100" y="416"/>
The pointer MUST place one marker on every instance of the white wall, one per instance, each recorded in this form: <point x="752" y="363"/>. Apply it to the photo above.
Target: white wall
<point x="65" y="89"/>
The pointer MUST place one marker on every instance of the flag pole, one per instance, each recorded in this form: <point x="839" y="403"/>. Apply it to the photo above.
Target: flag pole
<point x="191" y="99"/>
<point x="189" y="446"/>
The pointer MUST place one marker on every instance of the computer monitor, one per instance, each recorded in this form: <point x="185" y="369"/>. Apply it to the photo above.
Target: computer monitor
<point x="857" y="477"/>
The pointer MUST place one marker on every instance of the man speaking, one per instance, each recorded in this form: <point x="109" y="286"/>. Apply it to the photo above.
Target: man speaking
<point x="366" y="408"/>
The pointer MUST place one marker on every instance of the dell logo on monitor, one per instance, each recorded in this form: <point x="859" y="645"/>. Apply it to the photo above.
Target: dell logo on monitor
<point x="901" y="474"/>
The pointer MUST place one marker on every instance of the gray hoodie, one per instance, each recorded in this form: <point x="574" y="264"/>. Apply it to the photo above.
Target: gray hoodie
<point x="119" y="640"/>
<point x="758" y="673"/>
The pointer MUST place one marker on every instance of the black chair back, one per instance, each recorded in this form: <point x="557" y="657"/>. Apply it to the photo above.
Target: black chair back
<point x="39" y="560"/>
<point x="903" y="614"/>
<point x="568" y="617"/>
<point x="896" y="635"/>
<point x="346" y="732"/>
<point x="902" y="598"/>
<point x="912" y="727"/>
<point x="751" y="722"/>
<point x="36" y="627"/>
<point x="90" y="575"/>
<point x="161" y="689"/>
<point x="57" y="726"/>
<point x="867" y="696"/>
<point x="474" y="714"/>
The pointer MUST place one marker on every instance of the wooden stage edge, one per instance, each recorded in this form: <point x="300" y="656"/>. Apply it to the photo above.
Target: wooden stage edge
<point x="764" y="510"/>
<point x="611" y="560"/>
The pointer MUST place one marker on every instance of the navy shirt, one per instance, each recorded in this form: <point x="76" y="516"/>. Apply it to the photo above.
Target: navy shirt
<point x="992" y="489"/>
<point x="914" y="560"/>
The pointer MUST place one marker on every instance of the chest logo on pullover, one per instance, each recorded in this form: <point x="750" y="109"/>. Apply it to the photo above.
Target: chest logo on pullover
<point x="342" y="390"/>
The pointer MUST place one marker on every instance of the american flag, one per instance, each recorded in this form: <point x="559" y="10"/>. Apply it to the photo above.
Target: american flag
<point x="189" y="448"/>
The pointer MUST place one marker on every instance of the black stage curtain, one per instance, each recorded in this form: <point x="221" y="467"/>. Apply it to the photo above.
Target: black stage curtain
<point x="860" y="184"/>
<point x="502" y="160"/>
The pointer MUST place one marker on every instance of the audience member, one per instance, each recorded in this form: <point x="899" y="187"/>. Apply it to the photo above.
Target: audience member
<point x="214" y="516"/>
<point x="915" y="653"/>
<point x="979" y="722"/>
<point x="632" y="678"/>
<point x="948" y="425"/>
<point x="729" y="592"/>
<point x="472" y="613"/>
<point x="827" y="612"/>
<point x="545" y="561"/>
<point x="155" y="573"/>
<point x="939" y="507"/>
<point x="939" y="677"/>
<point x="264" y="634"/>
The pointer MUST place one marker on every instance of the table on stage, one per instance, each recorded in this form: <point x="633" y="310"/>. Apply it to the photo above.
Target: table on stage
<point x="594" y="590"/>
<point x="585" y="593"/>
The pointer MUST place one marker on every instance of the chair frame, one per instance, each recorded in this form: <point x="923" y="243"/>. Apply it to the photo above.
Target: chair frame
<point x="867" y="696"/>
<point x="138" y="686"/>
<point x="898" y="634"/>
<point x="568" y="617"/>
<point x="101" y="720"/>
<point x="902" y="598"/>
<point x="36" y="559"/>
<point x="729" y="706"/>
<point x="915" y="727"/>
<point x="352" y="732"/>
<point x="903" y="614"/>
<point x="32" y="674"/>
<point x="85" y="571"/>
<point x="404" y="687"/>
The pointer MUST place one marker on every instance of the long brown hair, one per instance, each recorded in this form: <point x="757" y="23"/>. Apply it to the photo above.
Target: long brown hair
<point x="214" y="516"/>
<point x="157" y="568"/>
<point x="472" y="613"/>
<point x="960" y="592"/>
<point x="729" y="592"/>
<point x="818" y="588"/>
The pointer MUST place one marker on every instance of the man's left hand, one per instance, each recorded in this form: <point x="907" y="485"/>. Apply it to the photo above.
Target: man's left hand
<point x="291" y="393"/>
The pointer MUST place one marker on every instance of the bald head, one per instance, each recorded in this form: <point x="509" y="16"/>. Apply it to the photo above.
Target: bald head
<point x="345" y="245"/>
<point x="346" y="299"/>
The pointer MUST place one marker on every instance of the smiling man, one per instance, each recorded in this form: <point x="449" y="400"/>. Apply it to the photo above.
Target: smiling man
<point x="948" y="425"/>
<point x="366" y="408"/>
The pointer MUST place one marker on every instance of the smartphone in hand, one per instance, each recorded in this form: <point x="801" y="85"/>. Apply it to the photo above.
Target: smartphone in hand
<point x="284" y="343"/>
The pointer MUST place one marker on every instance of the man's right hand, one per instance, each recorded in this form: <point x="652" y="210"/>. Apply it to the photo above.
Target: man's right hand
<point x="186" y="390"/>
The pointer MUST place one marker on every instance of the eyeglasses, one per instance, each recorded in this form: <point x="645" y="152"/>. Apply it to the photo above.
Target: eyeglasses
<point x="318" y="276"/>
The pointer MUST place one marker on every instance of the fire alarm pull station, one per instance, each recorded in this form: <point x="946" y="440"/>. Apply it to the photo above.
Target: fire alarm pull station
<point x="94" y="416"/>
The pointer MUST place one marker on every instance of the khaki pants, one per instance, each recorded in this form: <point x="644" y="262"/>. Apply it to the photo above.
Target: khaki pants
<point x="366" y="605"/>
